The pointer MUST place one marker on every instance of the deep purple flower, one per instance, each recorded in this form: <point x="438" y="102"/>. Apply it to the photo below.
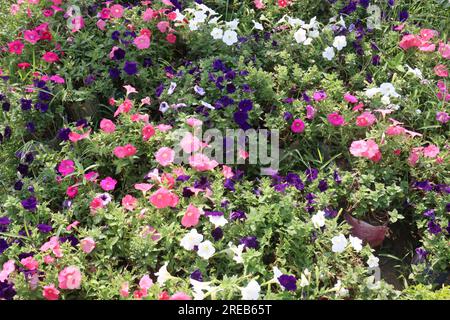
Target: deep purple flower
<point x="7" y="291"/>
<point x="229" y="184"/>
<point x="311" y="174"/>
<point x="403" y="15"/>
<point x="218" y="65"/>
<point x="3" y="245"/>
<point x="231" y="88"/>
<point x="238" y="215"/>
<point x="202" y="183"/>
<point x="433" y="227"/>
<point x="30" y="127"/>
<point x="4" y="221"/>
<point x="30" y="204"/>
<point x="63" y="134"/>
<point x="287" y="115"/>
<point x="323" y="185"/>
<point x="294" y="180"/>
<point x="349" y="8"/>
<point x="114" y="73"/>
<point x="197" y="275"/>
<point x="424" y="185"/>
<point x="6" y="106"/>
<point x="23" y="169"/>
<point x="217" y="234"/>
<point x="376" y="60"/>
<point x="183" y="178"/>
<point x="159" y="90"/>
<point x="364" y="3"/>
<point x="18" y="185"/>
<point x="447" y="207"/>
<point x="310" y="198"/>
<point x="130" y="67"/>
<point x="44" y="228"/>
<point x="25" y="104"/>
<point x="288" y="282"/>
<point x="213" y="213"/>
<point x="281" y="187"/>
<point x="249" y="242"/>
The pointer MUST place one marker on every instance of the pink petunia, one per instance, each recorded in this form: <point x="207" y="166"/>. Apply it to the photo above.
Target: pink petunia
<point x="410" y="41"/>
<point x="70" y="278"/>
<point x="50" y="292"/>
<point x="165" y="156"/>
<point x="367" y="149"/>
<point x="441" y="70"/>
<point x="72" y="191"/>
<point x="191" y="216"/>
<point x="87" y="244"/>
<point x="444" y="50"/>
<point x="190" y="143"/>
<point x="148" y="131"/>
<point x="108" y="184"/>
<point x="66" y="167"/>
<point x="298" y="126"/>
<point x="31" y="36"/>
<point x="50" y="57"/>
<point x="107" y="126"/>
<point x="116" y="11"/>
<point x="16" y="47"/>
<point x="366" y="119"/>
<point x="163" y="26"/>
<point x="163" y="198"/>
<point x="125" y="151"/>
<point x="145" y="282"/>
<point x="142" y="42"/>
<point x="350" y="98"/>
<point x="129" y="202"/>
<point x="335" y="119"/>
<point x="431" y="151"/>
<point x="201" y="162"/>
<point x="30" y="263"/>
<point x="180" y="296"/>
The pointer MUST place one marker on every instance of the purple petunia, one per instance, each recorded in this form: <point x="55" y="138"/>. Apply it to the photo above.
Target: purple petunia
<point x="130" y="67"/>
<point x="288" y="282"/>
<point x="250" y="242"/>
<point x="30" y="204"/>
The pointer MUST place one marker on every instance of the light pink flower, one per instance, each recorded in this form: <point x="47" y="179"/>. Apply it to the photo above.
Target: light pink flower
<point x="259" y="4"/>
<point x="367" y="149"/>
<point x="108" y="184"/>
<point x="145" y="282"/>
<point x="227" y="172"/>
<point x="190" y="143"/>
<point x="444" y="50"/>
<point x="200" y="162"/>
<point x="148" y="14"/>
<point x="101" y="24"/>
<point x="142" y="42"/>
<point x="180" y="296"/>
<point x="125" y="151"/>
<point x="395" y="130"/>
<point x="129" y="202"/>
<point x="163" y="26"/>
<point x="87" y="244"/>
<point x="52" y="244"/>
<point x="124" y="290"/>
<point x="428" y="34"/>
<point x="116" y="11"/>
<point x="66" y="167"/>
<point x="165" y="156"/>
<point x="191" y="216"/>
<point x="70" y="278"/>
<point x="163" y="198"/>
<point x="431" y="151"/>
<point x="164" y="127"/>
<point x="30" y="263"/>
<point x="7" y="269"/>
<point x="107" y="126"/>
<point x="310" y="112"/>
<point x="144" y="187"/>
<point x="442" y="117"/>
<point x="50" y="292"/>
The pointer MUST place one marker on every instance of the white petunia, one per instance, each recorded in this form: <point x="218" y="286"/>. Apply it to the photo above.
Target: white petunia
<point x="191" y="239"/>
<point x="276" y="274"/>
<point x="388" y="89"/>
<point x="339" y="243"/>
<point x="257" y="25"/>
<point x="218" y="221"/>
<point x="172" y="88"/>
<point x="318" y="219"/>
<point x="300" y="35"/>
<point x="372" y="262"/>
<point x="163" y="275"/>
<point x="356" y="243"/>
<point x="303" y="281"/>
<point x="232" y="25"/>
<point x="340" y="42"/>
<point x="217" y="33"/>
<point x="328" y="53"/>
<point x="230" y="37"/>
<point x="237" y="252"/>
<point x="206" y="250"/>
<point x="251" y="291"/>
<point x="371" y="92"/>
